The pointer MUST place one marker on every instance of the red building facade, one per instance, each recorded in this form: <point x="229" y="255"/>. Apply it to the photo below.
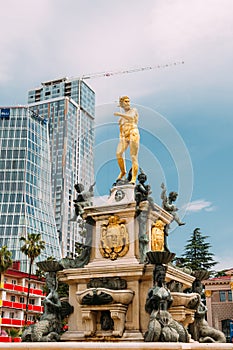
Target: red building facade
<point x="13" y="296"/>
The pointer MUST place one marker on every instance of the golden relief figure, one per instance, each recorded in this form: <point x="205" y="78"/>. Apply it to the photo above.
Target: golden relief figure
<point x="157" y="236"/>
<point x="114" y="238"/>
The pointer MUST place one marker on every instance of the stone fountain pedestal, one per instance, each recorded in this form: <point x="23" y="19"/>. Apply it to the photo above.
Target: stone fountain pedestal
<point x="114" y="280"/>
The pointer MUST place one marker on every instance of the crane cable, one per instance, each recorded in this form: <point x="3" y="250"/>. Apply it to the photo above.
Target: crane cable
<point x="109" y="74"/>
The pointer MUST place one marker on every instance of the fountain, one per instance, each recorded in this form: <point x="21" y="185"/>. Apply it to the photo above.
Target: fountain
<point x="123" y="290"/>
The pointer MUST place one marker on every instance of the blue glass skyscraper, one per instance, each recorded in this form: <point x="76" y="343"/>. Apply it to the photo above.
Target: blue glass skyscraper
<point x="69" y="107"/>
<point x="25" y="182"/>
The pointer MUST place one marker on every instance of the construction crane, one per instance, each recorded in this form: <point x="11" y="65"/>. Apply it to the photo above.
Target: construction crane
<point x="126" y="71"/>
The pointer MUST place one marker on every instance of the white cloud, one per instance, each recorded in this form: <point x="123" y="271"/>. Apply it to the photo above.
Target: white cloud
<point x="48" y="39"/>
<point x="225" y="262"/>
<point x="211" y="208"/>
<point x="198" y="205"/>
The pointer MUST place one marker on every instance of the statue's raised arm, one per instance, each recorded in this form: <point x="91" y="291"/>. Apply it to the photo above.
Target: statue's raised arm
<point x="167" y="204"/>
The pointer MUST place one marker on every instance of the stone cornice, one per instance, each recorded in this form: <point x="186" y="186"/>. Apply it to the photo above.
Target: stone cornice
<point x="216" y="282"/>
<point x="121" y="270"/>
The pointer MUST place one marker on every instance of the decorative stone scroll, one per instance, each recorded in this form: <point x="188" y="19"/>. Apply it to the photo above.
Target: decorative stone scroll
<point x="208" y="293"/>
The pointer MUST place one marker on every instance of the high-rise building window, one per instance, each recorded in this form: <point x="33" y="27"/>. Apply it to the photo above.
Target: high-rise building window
<point x="222" y="296"/>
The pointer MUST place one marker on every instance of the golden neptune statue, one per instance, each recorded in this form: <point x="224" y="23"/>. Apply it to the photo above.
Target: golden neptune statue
<point x="129" y="136"/>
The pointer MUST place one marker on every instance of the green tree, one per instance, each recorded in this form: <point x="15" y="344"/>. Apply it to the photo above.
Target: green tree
<point x="197" y="253"/>
<point x="13" y="333"/>
<point x="5" y="261"/>
<point x="220" y="273"/>
<point x="32" y="248"/>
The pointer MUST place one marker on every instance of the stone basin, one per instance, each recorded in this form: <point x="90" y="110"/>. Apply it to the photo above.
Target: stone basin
<point x="49" y="265"/>
<point x="123" y="296"/>
<point x="189" y="300"/>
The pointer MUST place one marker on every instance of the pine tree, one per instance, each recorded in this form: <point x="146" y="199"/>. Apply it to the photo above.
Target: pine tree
<point x="196" y="253"/>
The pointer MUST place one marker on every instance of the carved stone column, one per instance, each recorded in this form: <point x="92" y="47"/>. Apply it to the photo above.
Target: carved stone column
<point x="89" y="320"/>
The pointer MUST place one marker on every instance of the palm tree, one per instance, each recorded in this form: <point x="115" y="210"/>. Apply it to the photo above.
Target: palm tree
<point x="5" y="261"/>
<point x="33" y="245"/>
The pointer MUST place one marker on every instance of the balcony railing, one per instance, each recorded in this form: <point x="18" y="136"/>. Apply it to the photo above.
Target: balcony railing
<point x="14" y="322"/>
<point x="17" y="288"/>
<point x="21" y="306"/>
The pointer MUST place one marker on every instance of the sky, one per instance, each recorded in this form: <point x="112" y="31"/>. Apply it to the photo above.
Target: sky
<point x="185" y="110"/>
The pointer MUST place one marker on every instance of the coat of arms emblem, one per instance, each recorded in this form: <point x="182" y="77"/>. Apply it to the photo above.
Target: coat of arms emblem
<point x="114" y="238"/>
